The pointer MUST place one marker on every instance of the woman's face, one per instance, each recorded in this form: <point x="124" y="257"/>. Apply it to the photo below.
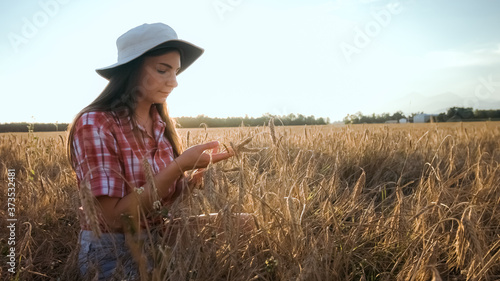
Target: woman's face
<point x="158" y="77"/>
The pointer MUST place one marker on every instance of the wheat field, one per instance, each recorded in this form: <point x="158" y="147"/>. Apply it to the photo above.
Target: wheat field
<point x="362" y="202"/>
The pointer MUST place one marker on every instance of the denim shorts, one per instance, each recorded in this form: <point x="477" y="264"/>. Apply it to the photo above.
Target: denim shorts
<point x="106" y="256"/>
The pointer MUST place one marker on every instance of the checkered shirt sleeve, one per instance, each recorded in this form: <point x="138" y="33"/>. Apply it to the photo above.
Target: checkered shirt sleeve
<point x="97" y="155"/>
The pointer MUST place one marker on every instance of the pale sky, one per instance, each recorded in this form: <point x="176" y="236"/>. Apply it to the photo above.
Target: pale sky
<point x="327" y="58"/>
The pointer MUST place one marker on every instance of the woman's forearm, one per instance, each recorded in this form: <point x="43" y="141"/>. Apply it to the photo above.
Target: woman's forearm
<point x="144" y="198"/>
<point x="114" y="208"/>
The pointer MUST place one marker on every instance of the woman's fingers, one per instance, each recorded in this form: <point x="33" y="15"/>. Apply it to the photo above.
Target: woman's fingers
<point x="215" y="156"/>
<point x="199" y="171"/>
<point x="199" y="156"/>
<point x="215" y="150"/>
<point x="220" y="156"/>
<point x="209" y="145"/>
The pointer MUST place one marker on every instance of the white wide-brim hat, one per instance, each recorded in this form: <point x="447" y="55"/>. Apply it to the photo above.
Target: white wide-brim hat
<point x="139" y="40"/>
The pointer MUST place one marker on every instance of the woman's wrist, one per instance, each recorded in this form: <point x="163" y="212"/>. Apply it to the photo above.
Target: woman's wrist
<point x="181" y="170"/>
<point x="166" y="177"/>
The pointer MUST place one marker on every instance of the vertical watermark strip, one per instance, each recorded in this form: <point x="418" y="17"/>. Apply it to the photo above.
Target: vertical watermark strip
<point x="11" y="220"/>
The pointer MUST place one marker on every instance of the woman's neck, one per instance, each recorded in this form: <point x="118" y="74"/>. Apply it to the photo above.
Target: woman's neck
<point x="142" y="112"/>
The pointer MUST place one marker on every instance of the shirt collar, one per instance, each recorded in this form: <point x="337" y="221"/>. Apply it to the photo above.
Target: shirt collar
<point x="125" y="119"/>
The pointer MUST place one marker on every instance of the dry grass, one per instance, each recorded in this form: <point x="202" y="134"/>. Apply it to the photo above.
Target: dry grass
<point x="366" y="202"/>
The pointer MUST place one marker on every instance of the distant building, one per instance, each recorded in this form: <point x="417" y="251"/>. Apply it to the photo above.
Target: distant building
<point x="423" y="118"/>
<point x="403" y="121"/>
<point x="391" y="121"/>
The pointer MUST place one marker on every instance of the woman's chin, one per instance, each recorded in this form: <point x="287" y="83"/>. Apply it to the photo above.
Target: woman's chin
<point x="162" y="100"/>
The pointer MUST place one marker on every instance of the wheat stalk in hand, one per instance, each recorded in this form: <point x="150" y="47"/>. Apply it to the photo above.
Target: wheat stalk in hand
<point x="241" y="147"/>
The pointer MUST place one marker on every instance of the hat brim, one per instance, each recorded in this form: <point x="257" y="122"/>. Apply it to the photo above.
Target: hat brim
<point x="189" y="54"/>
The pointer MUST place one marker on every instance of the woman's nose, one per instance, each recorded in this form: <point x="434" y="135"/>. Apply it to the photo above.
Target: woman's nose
<point x="171" y="81"/>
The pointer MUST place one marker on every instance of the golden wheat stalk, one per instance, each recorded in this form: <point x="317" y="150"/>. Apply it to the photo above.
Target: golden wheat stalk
<point x="148" y="171"/>
<point x="241" y="147"/>
<point x="272" y="130"/>
<point x="90" y="208"/>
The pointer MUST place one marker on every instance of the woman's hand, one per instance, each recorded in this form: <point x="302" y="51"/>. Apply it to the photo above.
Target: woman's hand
<point x="199" y="156"/>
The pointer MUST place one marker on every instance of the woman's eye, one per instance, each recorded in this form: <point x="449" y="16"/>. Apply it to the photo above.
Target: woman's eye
<point x="161" y="71"/>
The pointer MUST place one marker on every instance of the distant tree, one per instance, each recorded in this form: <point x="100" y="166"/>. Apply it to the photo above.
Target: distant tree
<point x="460" y="113"/>
<point x="384" y="117"/>
<point x="452" y="114"/>
<point x="442" y="117"/>
<point x="466" y="113"/>
<point x="353" y="118"/>
<point x="480" y="114"/>
<point x="493" y="113"/>
<point x="397" y="115"/>
<point x="291" y="119"/>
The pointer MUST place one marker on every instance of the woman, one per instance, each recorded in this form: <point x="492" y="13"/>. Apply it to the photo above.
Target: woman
<point x="126" y="125"/>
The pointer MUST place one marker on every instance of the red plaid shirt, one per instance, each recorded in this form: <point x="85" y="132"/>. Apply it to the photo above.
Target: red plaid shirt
<point x="109" y="155"/>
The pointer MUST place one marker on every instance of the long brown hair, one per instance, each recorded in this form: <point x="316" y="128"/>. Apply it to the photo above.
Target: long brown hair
<point x="122" y="92"/>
